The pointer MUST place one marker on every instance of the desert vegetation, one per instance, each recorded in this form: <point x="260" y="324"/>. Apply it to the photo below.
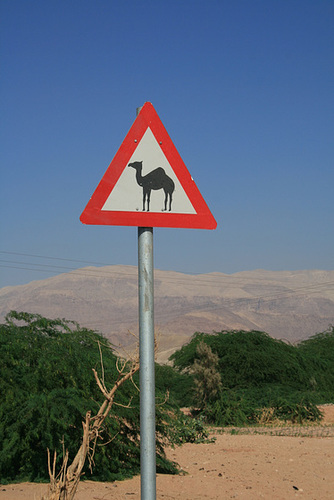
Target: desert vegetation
<point x="261" y="379"/>
<point x="53" y="370"/>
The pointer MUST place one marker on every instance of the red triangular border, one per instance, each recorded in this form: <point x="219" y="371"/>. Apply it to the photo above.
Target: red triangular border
<point x="93" y="213"/>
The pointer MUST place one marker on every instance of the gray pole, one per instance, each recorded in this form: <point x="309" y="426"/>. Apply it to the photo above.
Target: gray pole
<point x="146" y="358"/>
<point x="146" y="355"/>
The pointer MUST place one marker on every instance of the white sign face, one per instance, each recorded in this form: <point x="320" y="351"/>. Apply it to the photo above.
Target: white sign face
<point x="149" y="184"/>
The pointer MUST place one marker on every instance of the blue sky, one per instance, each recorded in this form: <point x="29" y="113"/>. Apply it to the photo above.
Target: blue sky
<point x="244" y="89"/>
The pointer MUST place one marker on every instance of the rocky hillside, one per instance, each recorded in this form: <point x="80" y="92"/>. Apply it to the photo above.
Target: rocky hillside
<point x="290" y="305"/>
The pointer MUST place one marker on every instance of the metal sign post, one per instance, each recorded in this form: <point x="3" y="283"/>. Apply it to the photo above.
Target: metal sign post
<point x="146" y="359"/>
<point x="146" y="371"/>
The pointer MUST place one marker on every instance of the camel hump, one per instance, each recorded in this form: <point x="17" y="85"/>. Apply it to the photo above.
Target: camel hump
<point x="158" y="179"/>
<point x="158" y="172"/>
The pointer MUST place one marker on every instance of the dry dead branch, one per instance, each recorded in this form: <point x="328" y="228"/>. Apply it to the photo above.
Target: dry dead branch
<point x="63" y="486"/>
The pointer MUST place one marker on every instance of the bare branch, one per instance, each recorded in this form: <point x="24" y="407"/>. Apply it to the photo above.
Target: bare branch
<point x="110" y="440"/>
<point x="124" y="406"/>
<point x="102" y="366"/>
<point x="64" y="485"/>
<point x="134" y="384"/>
<point x="102" y="387"/>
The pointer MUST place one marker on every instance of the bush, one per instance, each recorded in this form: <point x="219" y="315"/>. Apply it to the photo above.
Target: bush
<point x="318" y="353"/>
<point x="230" y="409"/>
<point x="47" y="386"/>
<point x="179" y="386"/>
<point x="207" y="379"/>
<point x="248" y="359"/>
<point x="297" y="413"/>
<point x="184" y="429"/>
<point x="264" y="378"/>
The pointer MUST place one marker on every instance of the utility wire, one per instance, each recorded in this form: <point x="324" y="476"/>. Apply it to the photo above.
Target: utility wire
<point x="54" y="258"/>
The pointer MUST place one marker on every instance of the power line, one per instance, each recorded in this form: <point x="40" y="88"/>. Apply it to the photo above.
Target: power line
<point x="87" y="272"/>
<point x="54" y="258"/>
<point x="49" y="267"/>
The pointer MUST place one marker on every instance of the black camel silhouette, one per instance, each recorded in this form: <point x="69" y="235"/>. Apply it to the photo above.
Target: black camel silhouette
<point x="156" y="179"/>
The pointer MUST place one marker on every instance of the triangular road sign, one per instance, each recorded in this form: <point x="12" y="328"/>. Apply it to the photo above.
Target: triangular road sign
<point x="147" y="184"/>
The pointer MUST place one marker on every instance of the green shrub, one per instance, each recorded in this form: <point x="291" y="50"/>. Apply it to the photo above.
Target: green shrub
<point x="296" y="413"/>
<point x="233" y="409"/>
<point x="230" y="409"/>
<point x="47" y="386"/>
<point x="179" y="386"/>
<point x="248" y="359"/>
<point x="318" y="353"/>
<point x="264" y="377"/>
<point x="184" y="429"/>
<point x="206" y="376"/>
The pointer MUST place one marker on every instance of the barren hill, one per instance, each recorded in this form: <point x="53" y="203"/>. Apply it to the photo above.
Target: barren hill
<point x="290" y="305"/>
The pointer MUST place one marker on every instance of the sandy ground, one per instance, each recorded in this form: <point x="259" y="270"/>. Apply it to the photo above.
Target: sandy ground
<point x="245" y="465"/>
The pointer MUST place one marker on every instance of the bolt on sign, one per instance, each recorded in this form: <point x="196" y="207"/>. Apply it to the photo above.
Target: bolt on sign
<point x="147" y="184"/>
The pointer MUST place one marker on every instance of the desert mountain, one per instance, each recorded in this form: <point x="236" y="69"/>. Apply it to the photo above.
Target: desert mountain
<point x="290" y="305"/>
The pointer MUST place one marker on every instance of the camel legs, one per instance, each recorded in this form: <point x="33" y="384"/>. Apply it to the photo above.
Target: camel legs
<point x="166" y="200"/>
<point x="170" y="201"/>
<point x="147" y="197"/>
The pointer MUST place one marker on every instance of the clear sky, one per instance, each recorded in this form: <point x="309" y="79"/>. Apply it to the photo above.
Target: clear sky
<point x="245" y="91"/>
